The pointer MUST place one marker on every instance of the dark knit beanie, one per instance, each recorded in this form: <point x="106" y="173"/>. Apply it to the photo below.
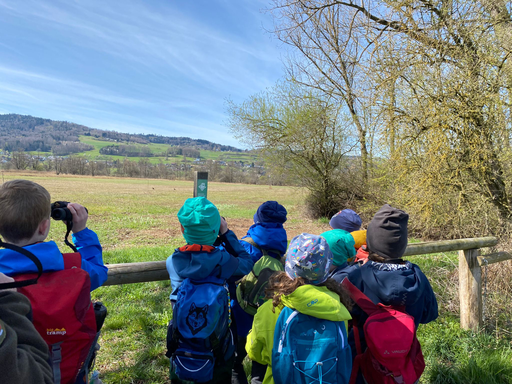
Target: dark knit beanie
<point x="387" y="232"/>
<point x="270" y="212"/>
<point x="347" y="220"/>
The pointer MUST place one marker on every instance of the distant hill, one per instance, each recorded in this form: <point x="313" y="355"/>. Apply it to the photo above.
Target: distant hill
<point x="28" y="133"/>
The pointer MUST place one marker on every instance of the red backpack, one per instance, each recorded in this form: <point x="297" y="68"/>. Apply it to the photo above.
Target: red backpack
<point x="63" y="315"/>
<point x="393" y="354"/>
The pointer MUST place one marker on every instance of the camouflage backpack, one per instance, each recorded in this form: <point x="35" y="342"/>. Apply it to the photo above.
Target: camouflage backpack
<point x="250" y="290"/>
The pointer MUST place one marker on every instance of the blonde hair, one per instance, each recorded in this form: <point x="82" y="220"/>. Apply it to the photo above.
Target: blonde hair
<point x="281" y="284"/>
<point x="23" y="206"/>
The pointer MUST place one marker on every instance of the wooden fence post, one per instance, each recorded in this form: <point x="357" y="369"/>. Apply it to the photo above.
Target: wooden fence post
<point x="470" y="289"/>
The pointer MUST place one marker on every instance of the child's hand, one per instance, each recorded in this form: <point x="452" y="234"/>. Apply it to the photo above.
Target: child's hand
<point x="6" y="279"/>
<point x="80" y="216"/>
<point x="223" y="226"/>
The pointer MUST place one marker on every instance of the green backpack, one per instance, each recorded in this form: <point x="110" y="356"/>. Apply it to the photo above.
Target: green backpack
<point x="250" y="290"/>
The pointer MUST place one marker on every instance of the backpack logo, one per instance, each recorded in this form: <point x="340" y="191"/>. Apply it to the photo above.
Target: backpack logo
<point x="55" y="331"/>
<point x="311" y="303"/>
<point x="196" y="319"/>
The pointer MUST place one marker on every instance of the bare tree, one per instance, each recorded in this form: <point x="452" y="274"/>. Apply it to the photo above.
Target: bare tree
<point x="329" y="54"/>
<point x="19" y="160"/>
<point x="301" y="135"/>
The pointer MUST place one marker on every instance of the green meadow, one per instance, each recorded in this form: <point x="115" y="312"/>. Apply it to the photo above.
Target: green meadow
<point x="158" y="151"/>
<point x="136" y="221"/>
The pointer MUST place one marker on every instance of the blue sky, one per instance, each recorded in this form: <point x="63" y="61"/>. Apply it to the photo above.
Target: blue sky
<point x="137" y="66"/>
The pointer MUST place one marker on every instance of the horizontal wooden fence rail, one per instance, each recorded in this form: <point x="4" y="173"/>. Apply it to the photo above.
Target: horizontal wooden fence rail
<point x="130" y="273"/>
<point x="470" y="271"/>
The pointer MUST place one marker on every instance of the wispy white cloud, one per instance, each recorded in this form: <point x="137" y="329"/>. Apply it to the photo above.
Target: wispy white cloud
<point x="161" y="63"/>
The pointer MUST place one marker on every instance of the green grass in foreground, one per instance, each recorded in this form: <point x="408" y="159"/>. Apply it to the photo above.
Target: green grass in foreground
<point x="454" y="356"/>
<point x="133" y="337"/>
<point x="133" y="340"/>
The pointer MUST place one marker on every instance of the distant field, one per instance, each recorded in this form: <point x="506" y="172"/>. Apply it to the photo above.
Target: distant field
<point x="159" y="149"/>
<point x="136" y="221"/>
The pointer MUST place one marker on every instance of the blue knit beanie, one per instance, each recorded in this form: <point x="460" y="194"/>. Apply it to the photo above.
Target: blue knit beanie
<point x="270" y="212"/>
<point x="347" y="220"/>
<point x="201" y="221"/>
<point x="308" y="256"/>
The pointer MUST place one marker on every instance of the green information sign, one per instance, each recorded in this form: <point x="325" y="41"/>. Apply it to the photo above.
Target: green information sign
<point x="201" y="184"/>
<point x="202" y="187"/>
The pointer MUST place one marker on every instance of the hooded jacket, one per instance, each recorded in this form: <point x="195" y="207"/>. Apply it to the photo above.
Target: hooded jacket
<point x="268" y="236"/>
<point x="260" y="340"/>
<point x="394" y="284"/>
<point x="391" y="284"/>
<point x="87" y="243"/>
<point x="23" y="352"/>
<point x="198" y="265"/>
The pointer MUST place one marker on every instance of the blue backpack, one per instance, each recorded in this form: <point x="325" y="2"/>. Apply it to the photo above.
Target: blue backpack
<point x="310" y="350"/>
<point x="201" y="329"/>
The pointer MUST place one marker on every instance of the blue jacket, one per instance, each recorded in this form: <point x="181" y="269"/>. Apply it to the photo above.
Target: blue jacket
<point x="390" y="284"/>
<point x="87" y="243"/>
<point x="198" y="265"/>
<point x="269" y="236"/>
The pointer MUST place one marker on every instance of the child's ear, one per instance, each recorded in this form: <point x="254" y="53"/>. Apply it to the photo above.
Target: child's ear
<point x="44" y="227"/>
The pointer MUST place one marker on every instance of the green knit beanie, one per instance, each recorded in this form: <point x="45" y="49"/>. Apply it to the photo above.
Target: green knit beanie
<point x="342" y="245"/>
<point x="201" y="221"/>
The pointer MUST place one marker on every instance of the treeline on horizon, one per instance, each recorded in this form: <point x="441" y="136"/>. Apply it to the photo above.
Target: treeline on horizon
<point x="222" y="171"/>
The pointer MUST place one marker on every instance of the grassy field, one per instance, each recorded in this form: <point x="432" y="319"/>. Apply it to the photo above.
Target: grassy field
<point x="136" y="221"/>
<point x="158" y="150"/>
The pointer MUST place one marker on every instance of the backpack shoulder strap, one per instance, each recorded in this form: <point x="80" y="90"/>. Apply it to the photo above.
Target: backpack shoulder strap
<point x="250" y="240"/>
<point x="32" y="257"/>
<point x="360" y="298"/>
<point x="72" y="260"/>
<point x="265" y="252"/>
<point x="291" y="316"/>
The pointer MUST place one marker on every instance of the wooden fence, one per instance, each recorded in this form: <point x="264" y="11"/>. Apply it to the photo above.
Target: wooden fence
<point x="470" y="272"/>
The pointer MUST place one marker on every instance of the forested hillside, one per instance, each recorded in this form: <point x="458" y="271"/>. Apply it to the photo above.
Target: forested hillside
<point x="28" y="133"/>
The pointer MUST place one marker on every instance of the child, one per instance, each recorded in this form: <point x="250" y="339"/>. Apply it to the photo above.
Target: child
<point x="350" y="221"/>
<point x="210" y="267"/>
<point x="25" y="222"/>
<point x="303" y="286"/>
<point x="267" y="232"/>
<point x="341" y="244"/>
<point x="23" y="353"/>
<point x="266" y="236"/>
<point x="347" y="220"/>
<point x="25" y="210"/>
<point x="385" y="278"/>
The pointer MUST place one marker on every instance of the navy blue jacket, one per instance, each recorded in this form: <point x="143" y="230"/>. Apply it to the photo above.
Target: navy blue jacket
<point x="390" y="284"/>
